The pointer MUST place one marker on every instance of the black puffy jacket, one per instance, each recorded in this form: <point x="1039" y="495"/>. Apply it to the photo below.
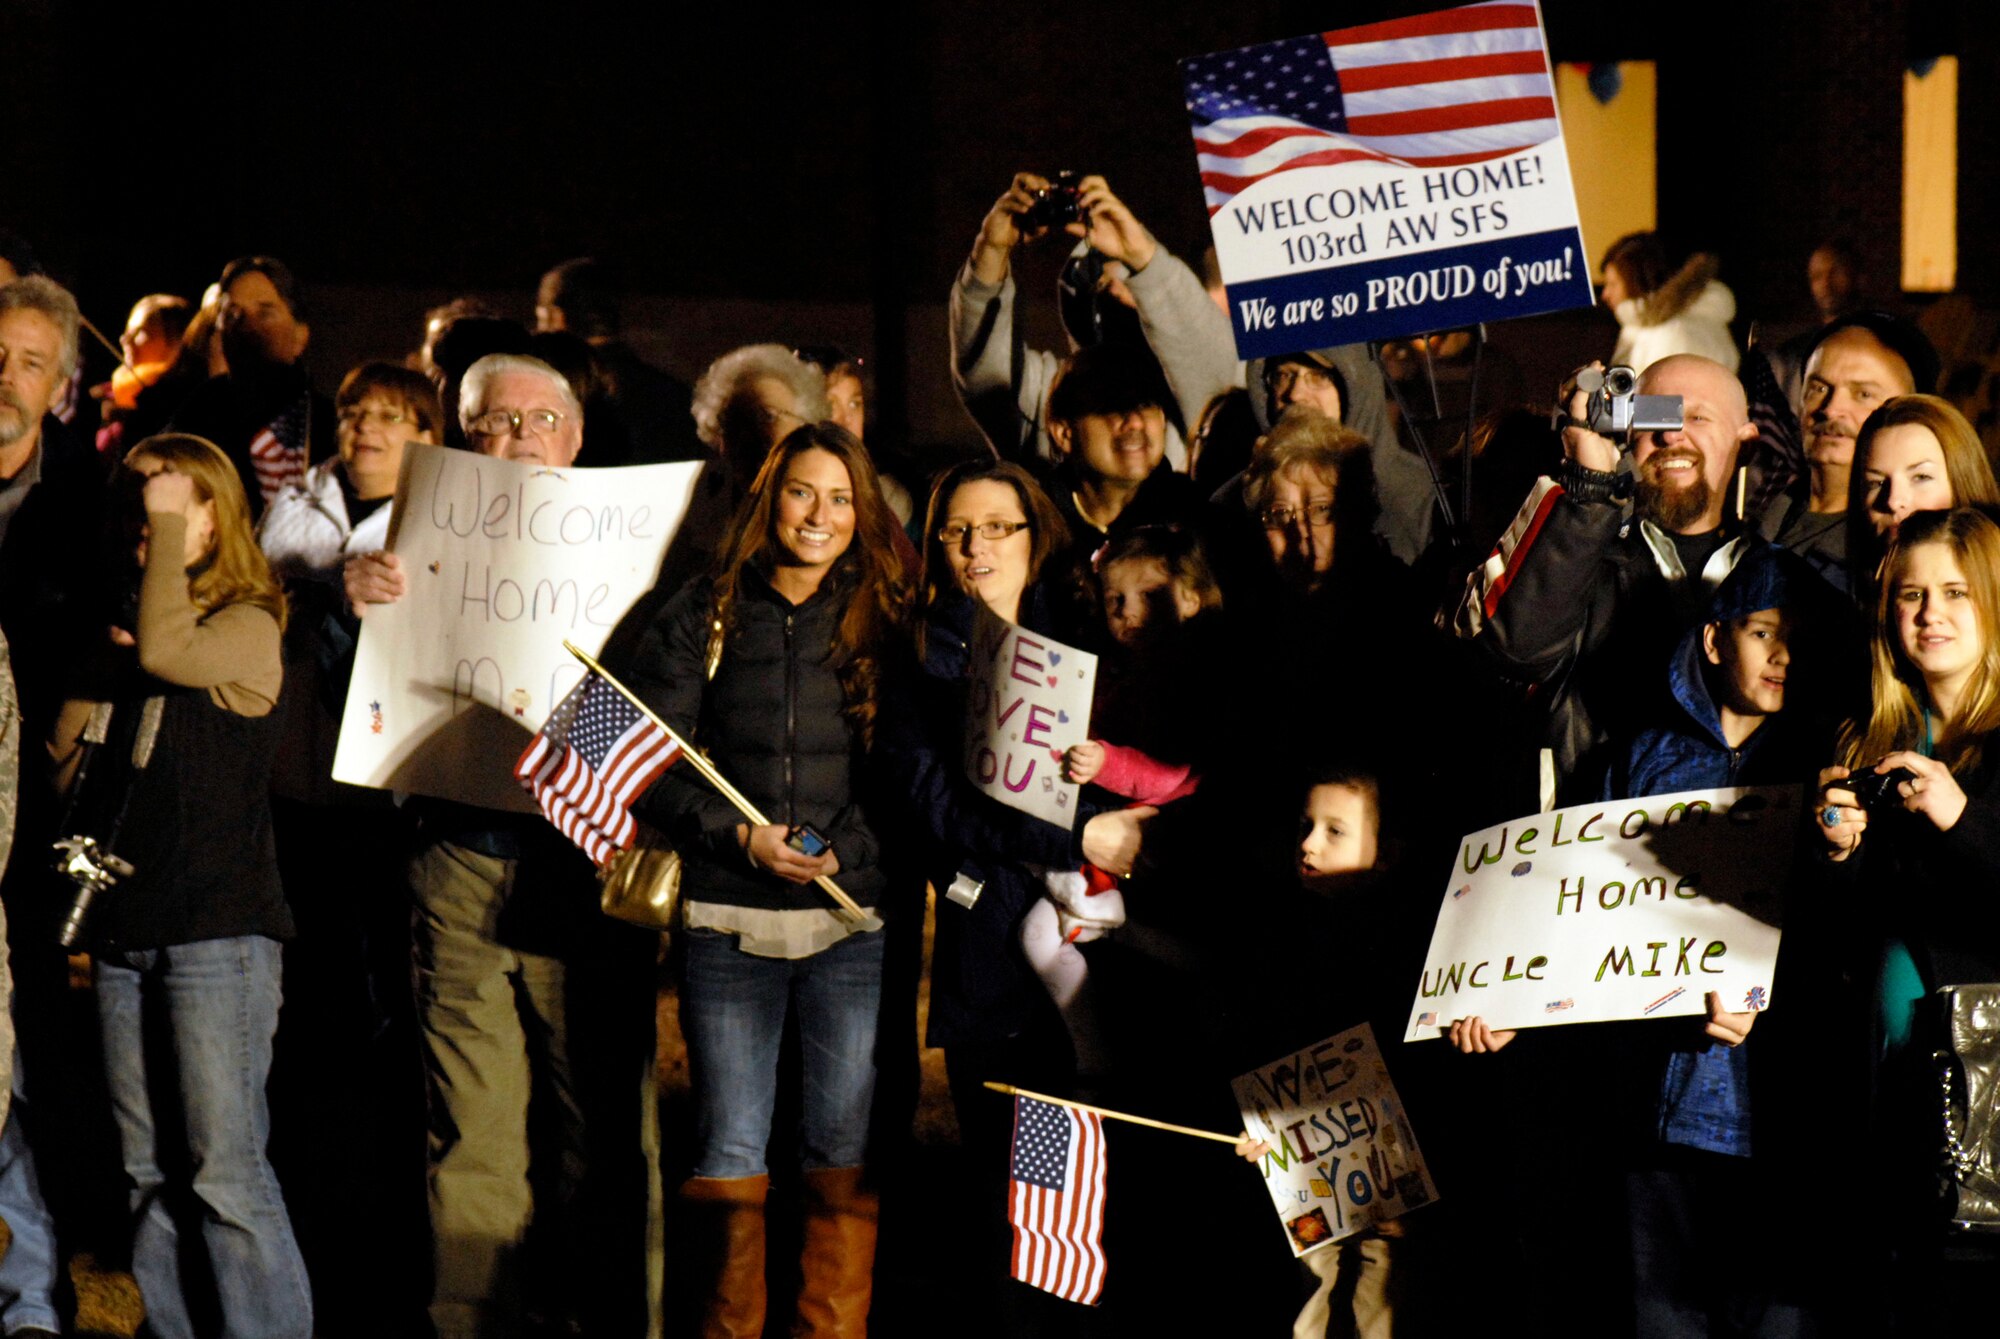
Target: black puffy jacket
<point x="771" y="721"/>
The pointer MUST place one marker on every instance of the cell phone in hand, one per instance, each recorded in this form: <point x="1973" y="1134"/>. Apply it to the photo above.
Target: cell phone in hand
<point x="807" y="840"/>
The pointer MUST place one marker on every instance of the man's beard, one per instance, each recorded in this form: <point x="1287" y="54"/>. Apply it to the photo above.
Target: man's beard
<point x="14" y="425"/>
<point x="1671" y="508"/>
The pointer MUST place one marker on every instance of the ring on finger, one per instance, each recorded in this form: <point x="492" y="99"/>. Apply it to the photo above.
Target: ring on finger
<point x="1830" y="815"/>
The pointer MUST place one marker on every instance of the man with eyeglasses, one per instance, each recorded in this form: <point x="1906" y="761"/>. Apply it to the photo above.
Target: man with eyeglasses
<point x="504" y="906"/>
<point x="264" y="413"/>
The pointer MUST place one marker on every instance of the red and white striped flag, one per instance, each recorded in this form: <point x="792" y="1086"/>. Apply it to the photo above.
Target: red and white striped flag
<point x="595" y="755"/>
<point x="1056" y="1201"/>
<point x="1431" y="90"/>
<point x="278" y="450"/>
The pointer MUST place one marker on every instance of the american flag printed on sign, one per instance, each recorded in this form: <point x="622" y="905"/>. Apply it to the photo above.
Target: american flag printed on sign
<point x="278" y="450"/>
<point x="1433" y="90"/>
<point x="1056" y="1199"/>
<point x="595" y="755"/>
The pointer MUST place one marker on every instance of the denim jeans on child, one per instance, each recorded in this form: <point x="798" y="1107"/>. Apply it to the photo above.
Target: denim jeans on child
<point x="733" y="1008"/>
<point x="187" y="1049"/>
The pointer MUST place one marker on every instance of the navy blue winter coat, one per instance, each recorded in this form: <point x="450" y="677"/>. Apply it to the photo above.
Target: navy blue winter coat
<point x="982" y="989"/>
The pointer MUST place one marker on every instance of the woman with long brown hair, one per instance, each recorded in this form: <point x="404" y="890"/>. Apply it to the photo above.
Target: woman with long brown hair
<point x="167" y="749"/>
<point x="1923" y="857"/>
<point x="773" y="666"/>
<point x="1915" y="453"/>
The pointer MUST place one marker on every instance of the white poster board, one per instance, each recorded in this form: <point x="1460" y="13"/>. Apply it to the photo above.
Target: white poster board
<point x="1029" y="700"/>
<point x="1343" y="1156"/>
<point x="1394" y="178"/>
<point x="505" y="559"/>
<point x="1625" y="909"/>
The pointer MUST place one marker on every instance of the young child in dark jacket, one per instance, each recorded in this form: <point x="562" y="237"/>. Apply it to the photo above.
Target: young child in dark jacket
<point x="1729" y="678"/>
<point x="1743" y="681"/>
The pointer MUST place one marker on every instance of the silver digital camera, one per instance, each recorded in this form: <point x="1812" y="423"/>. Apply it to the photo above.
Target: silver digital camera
<point x="92" y="869"/>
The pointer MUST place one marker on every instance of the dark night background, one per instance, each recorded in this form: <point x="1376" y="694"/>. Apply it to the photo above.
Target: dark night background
<point x="772" y="172"/>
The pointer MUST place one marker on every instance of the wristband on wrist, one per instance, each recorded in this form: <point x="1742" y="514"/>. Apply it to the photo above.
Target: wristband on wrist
<point x="1588" y="485"/>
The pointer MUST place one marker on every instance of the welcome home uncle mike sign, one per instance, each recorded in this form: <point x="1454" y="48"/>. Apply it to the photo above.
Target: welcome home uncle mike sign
<point x="1388" y="179"/>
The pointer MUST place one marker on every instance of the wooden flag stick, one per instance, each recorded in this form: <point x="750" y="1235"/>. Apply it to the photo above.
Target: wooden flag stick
<point x="862" y="920"/>
<point x="1012" y="1091"/>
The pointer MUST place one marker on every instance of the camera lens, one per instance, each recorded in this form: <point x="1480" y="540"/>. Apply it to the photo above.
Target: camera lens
<point x="1620" y="381"/>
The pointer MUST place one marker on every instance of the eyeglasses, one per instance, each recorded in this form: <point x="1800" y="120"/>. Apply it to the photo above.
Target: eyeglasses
<point x="529" y="422"/>
<point x="956" y="532"/>
<point x="388" y="418"/>
<point x="1284" y="518"/>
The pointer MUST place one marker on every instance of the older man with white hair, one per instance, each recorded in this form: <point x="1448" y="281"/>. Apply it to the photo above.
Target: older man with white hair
<point x="50" y="492"/>
<point x="504" y="905"/>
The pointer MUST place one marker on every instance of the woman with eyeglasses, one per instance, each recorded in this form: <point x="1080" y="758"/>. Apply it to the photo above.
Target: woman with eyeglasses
<point x="1331" y="615"/>
<point x="346" y="1077"/>
<point x="342" y="506"/>
<point x="992" y="538"/>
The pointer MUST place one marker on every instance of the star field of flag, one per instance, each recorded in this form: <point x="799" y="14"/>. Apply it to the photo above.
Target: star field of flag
<point x="1041" y="1145"/>
<point x="596" y="754"/>
<point x="1431" y="90"/>
<point x="1055" y="1200"/>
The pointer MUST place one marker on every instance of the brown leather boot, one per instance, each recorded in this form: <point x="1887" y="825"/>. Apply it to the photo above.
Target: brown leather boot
<point x="727" y="1218"/>
<point x="837" y="1274"/>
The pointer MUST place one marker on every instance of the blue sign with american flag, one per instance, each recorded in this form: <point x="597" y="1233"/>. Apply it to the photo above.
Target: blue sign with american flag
<point x="1389" y="179"/>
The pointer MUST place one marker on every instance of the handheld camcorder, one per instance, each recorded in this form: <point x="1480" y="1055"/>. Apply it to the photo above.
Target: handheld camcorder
<point x="1615" y="408"/>
<point x="92" y="869"/>
<point x="1055" y="204"/>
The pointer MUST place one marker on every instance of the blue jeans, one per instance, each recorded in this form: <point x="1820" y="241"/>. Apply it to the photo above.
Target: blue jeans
<point x="28" y="1271"/>
<point x="733" y="1007"/>
<point x="187" y="1049"/>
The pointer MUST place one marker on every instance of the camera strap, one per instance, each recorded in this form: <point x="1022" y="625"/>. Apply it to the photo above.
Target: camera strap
<point x="96" y="733"/>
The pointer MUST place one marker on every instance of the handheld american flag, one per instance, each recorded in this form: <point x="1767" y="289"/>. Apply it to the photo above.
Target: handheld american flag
<point x="1432" y="90"/>
<point x="278" y="450"/>
<point x="595" y="755"/>
<point x="1056" y="1199"/>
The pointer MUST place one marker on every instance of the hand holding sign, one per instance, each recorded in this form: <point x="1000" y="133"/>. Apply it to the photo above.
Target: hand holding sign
<point x="1627" y="909"/>
<point x="1027" y="702"/>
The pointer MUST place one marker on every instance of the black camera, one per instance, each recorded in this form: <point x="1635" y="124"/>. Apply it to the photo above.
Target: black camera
<point x="92" y="869"/>
<point x="1616" y="408"/>
<point x="1055" y="204"/>
<point x="1875" y="791"/>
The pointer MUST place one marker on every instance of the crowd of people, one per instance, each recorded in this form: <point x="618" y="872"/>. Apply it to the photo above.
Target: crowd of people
<point x="379" y="1063"/>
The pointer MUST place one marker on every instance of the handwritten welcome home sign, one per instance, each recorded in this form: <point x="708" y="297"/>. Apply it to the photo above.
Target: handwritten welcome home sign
<point x="1343" y="1156"/>
<point x="505" y="559"/>
<point x="1029" y="701"/>
<point x="1625" y="909"/>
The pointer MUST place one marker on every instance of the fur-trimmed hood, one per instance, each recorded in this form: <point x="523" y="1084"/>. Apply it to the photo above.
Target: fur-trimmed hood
<point x="1693" y="290"/>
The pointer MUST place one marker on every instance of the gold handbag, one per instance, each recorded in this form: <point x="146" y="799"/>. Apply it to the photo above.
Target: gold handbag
<point x="641" y="884"/>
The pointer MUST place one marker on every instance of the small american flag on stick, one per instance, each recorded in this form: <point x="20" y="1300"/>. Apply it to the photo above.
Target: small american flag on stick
<point x="1431" y="90"/>
<point x="1056" y="1200"/>
<point x="596" y="754"/>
